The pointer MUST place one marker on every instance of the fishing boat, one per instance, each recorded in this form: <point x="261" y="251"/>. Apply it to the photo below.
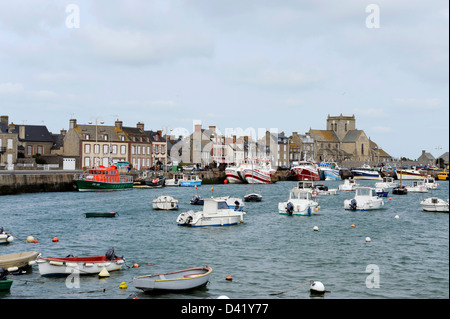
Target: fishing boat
<point x="329" y="171"/>
<point x="63" y="266"/>
<point x="417" y="187"/>
<point x="216" y="212"/>
<point x="101" y="214"/>
<point x="364" y="200"/>
<point x="231" y="173"/>
<point x="430" y="182"/>
<point x="103" y="179"/>
<point x="18" y="261"/>
<point x="253" y="196"/>
<point x="5" y="238"/>
<point x="365" y="172"/>
<point x="434" y="204"/>
<point x="387" y="182"/>
<point x="400" y="189"/>
<point x="410" y="173"/>
<point x="191" y="180"/>
<point x="262" y="173"/>
<point x="442" y="176"/>
<point x="305" y="170"/>
<point x="349" y="185"/>
<point x="179" y="280"/>
<point x="165" y="202"/>
<point x="300" y="203"/>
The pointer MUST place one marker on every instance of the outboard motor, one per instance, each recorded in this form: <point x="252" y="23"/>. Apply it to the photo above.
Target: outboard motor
<point x="3" y="273"/>
<point x="290" y="208"/>
<point x="353" y="204"/>
<point x="110" y="254"/>
<point x="195" y="200"/>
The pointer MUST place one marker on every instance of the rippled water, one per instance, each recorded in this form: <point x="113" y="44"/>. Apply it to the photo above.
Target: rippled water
<point x="267" y="254"/>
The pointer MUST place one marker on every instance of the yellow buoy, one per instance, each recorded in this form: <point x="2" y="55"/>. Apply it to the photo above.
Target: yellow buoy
<point x="123" y="285"/>
<point x="104" y="273"/>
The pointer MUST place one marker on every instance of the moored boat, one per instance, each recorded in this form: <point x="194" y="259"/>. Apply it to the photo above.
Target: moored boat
<point x="387" y="182"/>
<point x="18" y="261"/>
<point x="364" y="200"/>
<point x="5" y="238"/>
<point x="365" y="172"/>
<point x="5" y="284"/>
<point x="381" y="192"/>
<point x="430" y="182"/>
<point x="417" y="187"/>
<point x="434" y="204"/>
<point x="191" y="180"/>
<point x="300" y="203"/>
<point x="231" y="173"/>
<point x="103" y="179"/>
<point x="63" y="266"/>
<point x="260" y="172"/>
<point x="157" y="182"/>
<point x="410" y="174"/>
<point x="329" y="171"/>
<point x="305" y="170"/>
<point x="216" y="212"/>
<point x="180" y="280"/>
<point x="101" y="214"/>
<point x="165" y="202"/>
<point x="349" y="185"/>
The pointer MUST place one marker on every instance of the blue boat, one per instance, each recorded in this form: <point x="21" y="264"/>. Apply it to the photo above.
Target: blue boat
<point x="191" y="180"/>
<point x="329" y="171"/>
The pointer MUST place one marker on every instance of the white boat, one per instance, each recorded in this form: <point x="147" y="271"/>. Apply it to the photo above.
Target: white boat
<point x="300" y="203"/>
<point x="231" y="173"/>
<point x="232" y="202"/>
<point x="216" y="212"/>
<point x="174" y="281"/>
<point x="349" y="185"/>
<point x="5" y="238"/>
<point x="260" y="172"/>
<point x="175" y="180"/>
<point x="434" y="204"/>
<point x="165" y="202"/>
<point x="63" y="266"/>
<point x="410" y="174"/>
<point x="365" y="172"/>
<point x="417" y="187"/>
<point x="387" y="182"/>
<point x="324" y="190"/>
<point x="365" y="199"/>
<point x="329" y="171"/>
<point x="430" y="182"/>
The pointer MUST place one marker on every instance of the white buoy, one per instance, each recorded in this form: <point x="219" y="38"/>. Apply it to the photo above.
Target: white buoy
<point x="317" y="288"/>
<point x="315" y="228"/>
<point x="368" y="239"/>
<point x="397" y="217"/>
<point x="223" y="297"/>
<point x="30" y="239"/>
<point x="10" y="239"/>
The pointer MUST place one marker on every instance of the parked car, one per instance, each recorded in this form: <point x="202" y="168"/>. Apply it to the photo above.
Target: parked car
<point x="189" y="168"/>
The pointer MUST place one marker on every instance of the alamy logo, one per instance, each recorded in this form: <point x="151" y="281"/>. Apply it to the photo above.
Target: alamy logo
<point x="373" y="19"/>
<point x="73" y="19"/>
<point x="373" y="280"/>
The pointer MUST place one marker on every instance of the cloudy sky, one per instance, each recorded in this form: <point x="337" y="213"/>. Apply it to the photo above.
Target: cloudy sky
<point x="252" y="64"/>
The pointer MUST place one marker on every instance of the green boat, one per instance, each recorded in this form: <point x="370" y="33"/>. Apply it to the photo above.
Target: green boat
<point x="5" y="285"/>
<point x="101" y="214"/>
<point x="103" y="179"/>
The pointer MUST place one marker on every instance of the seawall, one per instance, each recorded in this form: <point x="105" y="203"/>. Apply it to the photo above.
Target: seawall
<point x="16" y="183"/>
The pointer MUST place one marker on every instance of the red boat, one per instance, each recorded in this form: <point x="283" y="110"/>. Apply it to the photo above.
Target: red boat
<point x="305" y="170"/>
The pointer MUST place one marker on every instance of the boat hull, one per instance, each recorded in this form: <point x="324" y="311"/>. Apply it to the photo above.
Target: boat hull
<point x="100" y="214"/>
<point x="257" y="176"/>
<point x="229" y="218"/>
<point x="233" y="176"/>
<point x="364" y="205"/>
<point x="89" y="186"/>
<point x="49" y="266"/>
<point x="303" y="173"/>
<point x="410" y="174"/>
<point x="300" y="209"/>
<point x="165" y="203"/>
<point x="331" y="175"/>
<point x="366" y="175"/>
<point x="190" y="183"/>
<point x="175" y="281"/>
<point x="18" y="261"/>
<point x="434" y="204"/>
<point x="5" y="285"/>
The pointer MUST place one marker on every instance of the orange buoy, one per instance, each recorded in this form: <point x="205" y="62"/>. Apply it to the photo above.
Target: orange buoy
<point x="229" y="278"/>
<point x="135" y="266"/>
<point x="35" y="241"/>
<point x="225" y="181"/>
<point x="390" y="198"/>
<point x="55" y="239"/>
<point x="353" y="226"/>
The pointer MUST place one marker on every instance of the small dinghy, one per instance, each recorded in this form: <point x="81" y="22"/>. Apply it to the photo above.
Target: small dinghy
<point x="63" y="266"/>
<point x="18" y="261"/>
<point x="174" y="281"/>
<point x="101" y="214"/>
<point x="5" y="284"/>
<point x="5" y="238"/>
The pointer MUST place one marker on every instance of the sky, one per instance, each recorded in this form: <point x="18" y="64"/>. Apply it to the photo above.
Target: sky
<point x="242" y="65"/>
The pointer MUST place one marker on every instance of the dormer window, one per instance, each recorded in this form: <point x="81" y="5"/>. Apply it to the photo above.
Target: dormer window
<point x="87" y="136"/>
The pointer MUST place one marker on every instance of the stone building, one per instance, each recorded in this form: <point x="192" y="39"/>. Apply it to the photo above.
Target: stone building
<point x="9" y="142"/>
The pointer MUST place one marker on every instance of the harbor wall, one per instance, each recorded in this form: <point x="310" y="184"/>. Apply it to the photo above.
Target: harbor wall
<point x="34" y="183"/>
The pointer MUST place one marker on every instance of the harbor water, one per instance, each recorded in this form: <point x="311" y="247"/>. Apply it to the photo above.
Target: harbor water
<point x="407" y="257"/>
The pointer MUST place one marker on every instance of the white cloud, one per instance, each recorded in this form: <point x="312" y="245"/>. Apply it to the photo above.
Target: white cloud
<point x="11" y="88"/>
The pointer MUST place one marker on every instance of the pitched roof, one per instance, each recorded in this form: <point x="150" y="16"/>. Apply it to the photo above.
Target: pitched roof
<point x="324" y="136"/>
<point x="351" y="136"/>
<point x="35" y="133"/>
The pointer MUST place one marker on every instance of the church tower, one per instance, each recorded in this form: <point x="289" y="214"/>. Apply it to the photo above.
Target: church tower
<point x="341" y="124"/>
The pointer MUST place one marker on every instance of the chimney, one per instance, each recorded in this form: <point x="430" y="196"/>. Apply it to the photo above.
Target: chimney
<point x="140" y="126"/>
<point x="212" y="128"/>
<point x="11" y="127"/>
<point x="63" y="132"/>
<point x="72" y="124"/>
<point x="21" y="132"/>
<point x="159" y="132"/>
<point x="118" y="124"/>
<point x="4" y="119"/>
<point x="198" y="128"/>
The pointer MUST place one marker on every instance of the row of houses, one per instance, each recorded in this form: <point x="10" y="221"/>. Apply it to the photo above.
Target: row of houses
<point x="93" y="144"/>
